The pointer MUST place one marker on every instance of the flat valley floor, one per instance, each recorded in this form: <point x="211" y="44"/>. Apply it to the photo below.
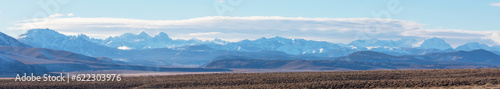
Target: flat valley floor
<point x="390" y="79"/>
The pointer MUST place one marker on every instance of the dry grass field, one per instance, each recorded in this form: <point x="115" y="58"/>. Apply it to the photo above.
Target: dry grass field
<point x="436" y="79"/>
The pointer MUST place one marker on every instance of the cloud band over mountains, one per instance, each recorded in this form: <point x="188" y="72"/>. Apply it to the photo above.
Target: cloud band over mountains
<point x="337" y="30"/>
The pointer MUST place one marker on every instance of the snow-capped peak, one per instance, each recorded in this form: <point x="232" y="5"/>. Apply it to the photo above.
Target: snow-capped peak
<point x="435" y="43"/>
<point x="219" y="41"/>
<point x="144" y="35"/>
<point x="41" y="32"/>
<point x="162" y="35"/>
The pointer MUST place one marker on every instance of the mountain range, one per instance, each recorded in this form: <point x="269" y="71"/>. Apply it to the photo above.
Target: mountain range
<point x="46" y="38"/>
<point x="370" y="60"/>
<point x="144" y="41"/>
<point x="47" y="51"/>
<point x="161" y="50"/>
<point x="18" y="58"/>
<point x="165" y="51"/>
<point x="39" y="38"/>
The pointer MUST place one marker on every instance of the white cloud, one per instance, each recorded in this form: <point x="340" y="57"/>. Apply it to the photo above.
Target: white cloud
<point x="56" y="15"/>
<point x="71" y="14"/>
<point x="447" y="33"/>
<point x="337" y="30"/>
<point x="60" y="15"/>
<point x="206" y="33"/>
<point x="124" y="48"/>
<point x="495" y="4"/>
<point x="275" y="23"/>
<point x="495" y="37"/>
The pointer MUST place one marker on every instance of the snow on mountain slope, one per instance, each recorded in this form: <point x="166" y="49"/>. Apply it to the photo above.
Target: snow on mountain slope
<point x="290" y="46"/>
<point x="144" y="41"/>
<point x="371" y="43"/>
<point x="434" y="43"/>
<point x="161" y="50"/>
<point x="46" y="38"/>
<point x="393" y="47"/>
<point x="128" y="40"/>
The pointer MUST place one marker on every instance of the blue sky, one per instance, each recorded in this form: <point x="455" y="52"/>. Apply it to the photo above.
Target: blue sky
<point x="441" y="15"/>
